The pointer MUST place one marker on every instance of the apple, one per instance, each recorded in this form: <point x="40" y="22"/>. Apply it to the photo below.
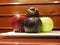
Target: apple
<point x="18" y="23"/>
<point x="47" y="24"/>
<point x="32" y="25"/>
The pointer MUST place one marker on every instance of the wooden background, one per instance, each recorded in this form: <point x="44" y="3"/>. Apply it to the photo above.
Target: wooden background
<point x="9" y="8"/>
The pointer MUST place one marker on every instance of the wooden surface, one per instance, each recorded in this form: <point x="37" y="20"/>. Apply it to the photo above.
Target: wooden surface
<point x="9" y="40"/>
<point x="21" y="9"/>
<point x="28" y="1"/>
<point x="26" y="41"/>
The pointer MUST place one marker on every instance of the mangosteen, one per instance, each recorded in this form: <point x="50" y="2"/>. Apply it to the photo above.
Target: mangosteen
<point x="32" y="25"/>
<point x="32" y="12"/>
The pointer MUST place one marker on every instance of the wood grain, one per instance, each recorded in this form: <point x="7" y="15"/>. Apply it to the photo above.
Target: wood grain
<point x="43" y="9"/>
<point x="28" y="1"/>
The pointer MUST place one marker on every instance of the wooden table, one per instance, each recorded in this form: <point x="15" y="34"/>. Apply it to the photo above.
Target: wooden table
<point x="5" y="40"/>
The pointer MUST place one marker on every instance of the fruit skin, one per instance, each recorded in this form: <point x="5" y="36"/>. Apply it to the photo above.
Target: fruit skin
<point x="18" y="23"/>
<point x="32" y="25"/>
<point x="47" y="24"/>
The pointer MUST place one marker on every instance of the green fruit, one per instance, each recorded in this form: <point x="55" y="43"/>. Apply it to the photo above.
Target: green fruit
<point x="47" y="24"/>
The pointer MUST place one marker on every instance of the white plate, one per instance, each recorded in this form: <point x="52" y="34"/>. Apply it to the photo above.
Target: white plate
<point x="14" y="34"/>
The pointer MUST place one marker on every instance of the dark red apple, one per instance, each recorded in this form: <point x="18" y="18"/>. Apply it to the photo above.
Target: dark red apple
<point x="18" y="23"/>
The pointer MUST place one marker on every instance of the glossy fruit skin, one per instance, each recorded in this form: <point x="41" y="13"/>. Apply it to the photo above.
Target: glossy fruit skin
<point x="32" y="25"/>
<point x="18" y="23"/>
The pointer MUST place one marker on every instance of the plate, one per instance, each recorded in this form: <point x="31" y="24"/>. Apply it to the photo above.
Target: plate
<point x="15" y="34"/>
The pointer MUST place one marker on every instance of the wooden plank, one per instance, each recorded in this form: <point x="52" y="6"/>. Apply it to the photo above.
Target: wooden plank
<point x="29" y="1"/>
<point x="5" y="21"/>
<point x="19" y="4"/>
<point x="43" y="9"/>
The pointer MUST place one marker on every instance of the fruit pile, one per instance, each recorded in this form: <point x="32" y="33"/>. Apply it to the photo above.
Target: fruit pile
<point x="31" y="22"/>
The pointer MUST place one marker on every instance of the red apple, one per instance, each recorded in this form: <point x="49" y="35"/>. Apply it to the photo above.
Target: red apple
<point x="18" y="23"/>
